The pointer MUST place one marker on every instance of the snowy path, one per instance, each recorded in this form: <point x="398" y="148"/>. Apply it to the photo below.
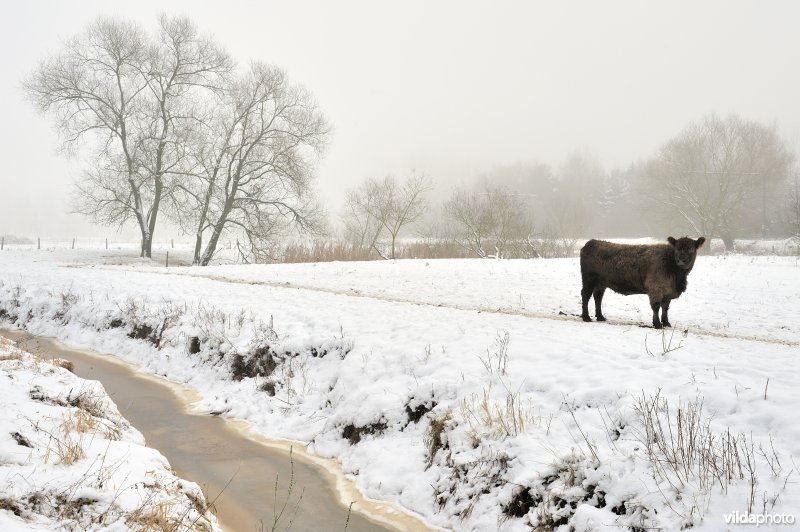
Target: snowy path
<point x="495" y="301"/>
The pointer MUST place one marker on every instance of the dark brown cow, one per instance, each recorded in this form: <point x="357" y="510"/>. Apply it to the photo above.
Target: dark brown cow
<point x="658" y="270"/>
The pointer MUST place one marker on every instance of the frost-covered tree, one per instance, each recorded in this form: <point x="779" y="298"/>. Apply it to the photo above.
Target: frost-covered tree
<point x="718" y="176"/>
<point x="127" y="99"/>
<point x="489" y="221"/>
<point x="254" y="165"/>
<point x="382" y="208"/>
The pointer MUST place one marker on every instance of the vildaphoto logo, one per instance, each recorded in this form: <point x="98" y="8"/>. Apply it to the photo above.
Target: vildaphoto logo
<point x="747" y="518"/>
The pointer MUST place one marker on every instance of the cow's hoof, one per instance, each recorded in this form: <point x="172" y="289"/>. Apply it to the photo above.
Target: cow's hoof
<point x="586" y="318"/>
<point x="601" y="318"/>
<point x="657" y="326"/>
<point x="666" y="324"/>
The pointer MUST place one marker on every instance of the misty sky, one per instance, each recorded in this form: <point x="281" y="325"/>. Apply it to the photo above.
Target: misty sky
<point x="446" y="88"/>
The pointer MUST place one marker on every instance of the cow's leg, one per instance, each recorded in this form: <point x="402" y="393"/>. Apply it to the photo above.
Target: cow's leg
<point x="655" y="304"/>
<point x="598" y="301"/>
<point x="664" y="312"/>
<point x="589" y="283"/>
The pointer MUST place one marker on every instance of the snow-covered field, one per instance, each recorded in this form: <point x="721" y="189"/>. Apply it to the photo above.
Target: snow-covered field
<point x="468" y="391"/>
<point x="70" y="461"/>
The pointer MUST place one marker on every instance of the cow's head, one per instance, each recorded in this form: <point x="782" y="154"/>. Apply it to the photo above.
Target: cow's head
<point x="685" y="250"/>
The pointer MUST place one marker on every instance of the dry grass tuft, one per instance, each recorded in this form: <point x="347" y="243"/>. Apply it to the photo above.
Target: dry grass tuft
<point x="79" y="421"/>
<point x="157" y="518"/>
<point x="63" y="363"/>
<point x="487" y="417"/>
<point x="433" y="436"/>
<point x="66" y="448"/>
<point x="685" y="453"/>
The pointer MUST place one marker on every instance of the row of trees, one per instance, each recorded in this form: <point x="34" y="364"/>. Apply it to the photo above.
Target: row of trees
<point x="721" y="177"/>
<point x="169" y="124"/>
<point x="172" y="127"/>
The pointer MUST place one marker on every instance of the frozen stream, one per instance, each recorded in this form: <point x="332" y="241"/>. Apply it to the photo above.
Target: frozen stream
<point x="236" y="469"/>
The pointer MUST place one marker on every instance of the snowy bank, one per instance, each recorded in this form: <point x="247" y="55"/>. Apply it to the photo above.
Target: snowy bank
<point x="70" y="461"/>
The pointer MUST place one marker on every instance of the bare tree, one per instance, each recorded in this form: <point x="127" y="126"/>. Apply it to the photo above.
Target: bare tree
<point x="185" y="70"/>
<point x="471" y="220"/>
<point x="361" y="229"/>
<point x="126" y="97"/>
<point x="717" y="175"/>
<point x="255" y="170"/>
<point x="384" y="207"/>
<point x="492" y="217"/>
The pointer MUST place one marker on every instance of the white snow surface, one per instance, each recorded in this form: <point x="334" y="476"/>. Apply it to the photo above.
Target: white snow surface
<point x="70" y="461"/>
<point x="552" y="413"/>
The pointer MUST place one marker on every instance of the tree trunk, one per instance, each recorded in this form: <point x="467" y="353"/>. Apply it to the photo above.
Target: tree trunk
<point x="147" y="243"/>
<point x="198" y="245"/>
<point x="211" y="247"/>
<point x="151" y="227"/>
<point x="727" y="239"/>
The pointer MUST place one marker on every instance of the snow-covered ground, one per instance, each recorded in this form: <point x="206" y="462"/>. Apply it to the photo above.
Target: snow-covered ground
<point x="466" y="390"/>
<point x="70" y="461"/>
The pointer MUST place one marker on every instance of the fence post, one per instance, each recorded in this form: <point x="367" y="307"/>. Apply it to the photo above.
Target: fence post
<point x="2" y="243"/>
<point x="38" y="242"/>
<point x="172" y="243"/>
<point x="106" y="242"/>
<point x="167" y="264"/>
<point x="73" y="242"/>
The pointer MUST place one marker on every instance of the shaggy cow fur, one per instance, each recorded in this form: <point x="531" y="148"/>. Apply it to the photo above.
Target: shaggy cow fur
<point x="660" y="271"/>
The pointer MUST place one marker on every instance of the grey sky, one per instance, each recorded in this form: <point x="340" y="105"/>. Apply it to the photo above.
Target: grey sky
<point x="446" y="88"/>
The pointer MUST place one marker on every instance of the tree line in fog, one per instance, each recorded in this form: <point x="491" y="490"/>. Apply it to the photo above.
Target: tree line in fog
<point x="722" y="177"/>
<point x="174" y="129"/>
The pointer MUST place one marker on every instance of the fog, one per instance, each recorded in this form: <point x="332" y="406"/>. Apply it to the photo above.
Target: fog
<point x="451" y="89"/>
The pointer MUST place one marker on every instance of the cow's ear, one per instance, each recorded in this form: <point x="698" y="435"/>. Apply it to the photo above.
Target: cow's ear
<point x="671" y="241"/>
<point x="699" y="242"/>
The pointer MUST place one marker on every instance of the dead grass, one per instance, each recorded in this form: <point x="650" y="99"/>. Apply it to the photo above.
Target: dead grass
<point x="496" y="359"/>
<point x="498" y="420"/>
<point x="684" y="449"/>
<point x="63" y="363"/>
<point x="88" y="401"/>
<point x="427" y="248"/>
<point x="12" y="351"/>
<point x="433" y="436"/>
<point x="688" y="456"/>
<point x="65" y="446"/>
<point x="83" y="420"/>
<point x="170" y="513"/>
<point x="79" y="421"/>
<point x="158" y="518"/>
